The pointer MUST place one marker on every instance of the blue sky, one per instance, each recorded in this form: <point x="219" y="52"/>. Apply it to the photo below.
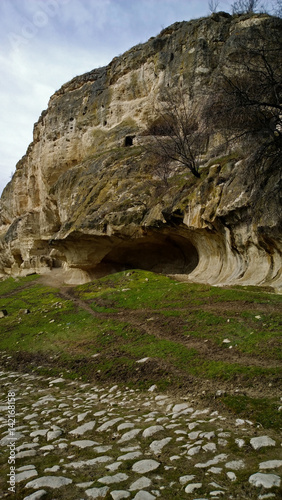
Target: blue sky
<point x="45" y="43"/>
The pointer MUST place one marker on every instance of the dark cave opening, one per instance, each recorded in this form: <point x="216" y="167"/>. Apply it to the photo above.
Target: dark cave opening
<point x="160" y="253"/>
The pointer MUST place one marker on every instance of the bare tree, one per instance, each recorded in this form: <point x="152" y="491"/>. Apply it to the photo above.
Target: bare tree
<point x="278" y="8"/>
<point x="213" y="5"/>
<point x="248" y="101"/>
<point x="246" y="6"/>
<point x="176" y="134"/>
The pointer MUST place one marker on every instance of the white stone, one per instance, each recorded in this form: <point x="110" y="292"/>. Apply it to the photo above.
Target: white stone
<point x="27" y="445"/>
<point x="261" y="441"/>
<point x="265" y="480"/>
<point x="79" y="431"/>
<point x="91" y="461"/>
<point x="185" y="479"/>
<point x="157" y="446"/>
<point x="39" y="432"/>
<point x="270" y="464"/>
<point x="48" y="447"/>
<point x="97" y="492"/>
<point x="107" y="425"/>
<point x="57" y="381"/>
<point x="24" y="454"/>
<point x="240" y="442"/>
<point x="235" y="465"/>
<point x="150" y="431"/>
<point x="209" y="447"/>
<point x="144" y="495"/>
<point x="191" y="487"/>
<point x="266" y="496"/>
<point x="22" y="476"/>
<point x="25" y="467"/>
<point x="126" y="425"/>
<point x="152" y="388"/>
<point x="130" y="456"/>
<point x="55" y="468"/>
<point x="193" y="451"/>
<point x="214" y="461"/>
<point x="143" y="360"/>
<point x="82" y="416"/>
<point x="49" y="481"/>
<point x="129" y="435"/>
<point x="36" y="495"/>
<point x="144" y="466"/>
<point x="231" y="476"/>
<point x="194" y="435"/>
<point x="215" y="470"/>
<point x="102" y="449"/>
<point x="113" y="467"/>
<point x="51" y="435"/>
<point x="143" y="482"/>
<point x="84" y="443"/>
<point x="117" y="478"/>
<point x="179" y="408"/>
<point x="118" y="495"/>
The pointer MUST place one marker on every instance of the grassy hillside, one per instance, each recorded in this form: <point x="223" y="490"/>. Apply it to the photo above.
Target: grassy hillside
<point x="219" y="345"/>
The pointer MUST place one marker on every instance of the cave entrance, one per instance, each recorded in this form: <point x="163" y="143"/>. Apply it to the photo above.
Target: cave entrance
<point x="128" y="141"/>
<point x="168" y="254"/>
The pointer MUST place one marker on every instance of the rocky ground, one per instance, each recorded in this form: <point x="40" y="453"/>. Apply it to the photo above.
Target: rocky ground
<point x="83" y="441"/>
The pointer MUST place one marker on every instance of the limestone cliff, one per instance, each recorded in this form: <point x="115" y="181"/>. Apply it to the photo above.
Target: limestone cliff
<point x="85" y="198"/>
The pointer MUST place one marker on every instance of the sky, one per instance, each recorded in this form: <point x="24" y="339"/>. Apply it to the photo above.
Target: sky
<point x="45" y="43"/>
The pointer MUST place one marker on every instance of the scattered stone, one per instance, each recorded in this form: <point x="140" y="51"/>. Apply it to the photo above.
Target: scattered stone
<point x="118" y="478"/>
<point x="144" y="466"/>
<point x="51" y="435"/>
<point x="49" y="481"/>
<point x="22" y="476"/>
<point x="192" y="487"/>
<point x="150" y="431"/>
<point x="57" y="381"/>
<point x="270" y="464"/>
<point x="144" y="495"/>
<point x="231" y="476"/>
<point x="179" y="408"/>
<point x="119" y="495"/>
<point x="97" y="492"/>
<point x="157" y="446"/>
<point x="143" y="482"/>
<point x="214" y="461"/>
<point x="262" y="441"/>
<point x="130" y="456"/>
<point x="129" y="435"/>
<point x="235" y="465"/>
<point x="107" y="425"/>
<point x="186" y="479"/>
<point x="265" y="480"/>
<point x="84" y="443"/>
<point x="36" y="496"/>
<point x="79" y="431"/>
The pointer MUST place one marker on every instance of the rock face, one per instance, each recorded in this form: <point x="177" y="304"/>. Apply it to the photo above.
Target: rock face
<point x="85" y="198"/>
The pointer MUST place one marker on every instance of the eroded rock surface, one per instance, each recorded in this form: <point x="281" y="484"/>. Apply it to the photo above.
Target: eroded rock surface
<point x="86" y="200"/>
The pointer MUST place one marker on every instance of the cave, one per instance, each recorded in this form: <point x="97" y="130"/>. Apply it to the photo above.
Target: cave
<point x="128" y="141"/>
<point x="160" y="253"/>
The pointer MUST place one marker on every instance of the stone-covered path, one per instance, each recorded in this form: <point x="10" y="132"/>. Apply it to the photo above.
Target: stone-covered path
<point x="83" y="441"/>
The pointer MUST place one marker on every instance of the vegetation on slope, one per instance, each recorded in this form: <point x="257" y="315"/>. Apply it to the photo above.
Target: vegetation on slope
<point x="221" y="345"/>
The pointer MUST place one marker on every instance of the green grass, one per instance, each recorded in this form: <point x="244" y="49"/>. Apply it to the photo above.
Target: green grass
<point x="260" y="411"/>
<point x="138" y="314"/>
